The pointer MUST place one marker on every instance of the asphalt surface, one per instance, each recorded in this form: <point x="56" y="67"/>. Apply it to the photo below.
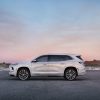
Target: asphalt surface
<point x="50" y="88"/>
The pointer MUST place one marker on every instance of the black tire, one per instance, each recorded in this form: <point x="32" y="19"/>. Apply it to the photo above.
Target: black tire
<point x="23" y="74"/>
<point x="70" y="74"/>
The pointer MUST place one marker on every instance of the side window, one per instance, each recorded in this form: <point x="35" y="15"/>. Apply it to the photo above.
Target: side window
<point x="42" y="59"/>
<point x="68" y="57"/>
<point x="52" y="58"/>
<point x="55" y="58"/>
<point x="79" y="57"/>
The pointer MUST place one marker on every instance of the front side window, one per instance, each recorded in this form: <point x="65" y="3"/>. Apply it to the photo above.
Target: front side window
<point x="42" y="59"/>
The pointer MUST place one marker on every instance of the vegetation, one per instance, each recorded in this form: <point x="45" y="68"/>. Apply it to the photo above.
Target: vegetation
<point x="5" y="65"/>
<point x="94" y="63"/>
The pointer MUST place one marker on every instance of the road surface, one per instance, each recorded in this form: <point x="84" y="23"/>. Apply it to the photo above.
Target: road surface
<point x="46" y="88"/>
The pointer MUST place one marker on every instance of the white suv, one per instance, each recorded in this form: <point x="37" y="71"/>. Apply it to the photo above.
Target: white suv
<point x="67" y="65"/>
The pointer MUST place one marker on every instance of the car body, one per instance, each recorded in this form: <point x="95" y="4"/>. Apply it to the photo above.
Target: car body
<point x="50" y="65"/>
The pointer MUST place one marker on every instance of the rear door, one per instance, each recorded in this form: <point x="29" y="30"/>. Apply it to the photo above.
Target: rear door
<point x="55" y="64"/>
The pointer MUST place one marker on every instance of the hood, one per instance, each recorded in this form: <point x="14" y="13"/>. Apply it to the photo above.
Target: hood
<point x="21" y="64"/>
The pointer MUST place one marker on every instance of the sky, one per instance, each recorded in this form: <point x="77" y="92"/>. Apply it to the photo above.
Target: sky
<point x="29" y="28"/>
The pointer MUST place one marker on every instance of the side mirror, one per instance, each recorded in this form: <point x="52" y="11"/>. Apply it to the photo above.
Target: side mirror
<point x="33" y="61"/>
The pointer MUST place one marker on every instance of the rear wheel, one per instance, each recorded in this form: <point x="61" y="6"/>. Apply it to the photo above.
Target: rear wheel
<point x="70" y="74"/>
<point x="23" y="74"/>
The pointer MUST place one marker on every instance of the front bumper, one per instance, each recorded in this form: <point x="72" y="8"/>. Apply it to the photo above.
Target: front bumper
<point x="12" y="73"/>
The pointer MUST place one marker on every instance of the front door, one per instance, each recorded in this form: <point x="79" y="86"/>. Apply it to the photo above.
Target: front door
<point x="39" y="67"/>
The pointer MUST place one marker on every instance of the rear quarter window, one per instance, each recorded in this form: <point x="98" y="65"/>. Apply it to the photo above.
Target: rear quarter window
<point x="79" y="57"/>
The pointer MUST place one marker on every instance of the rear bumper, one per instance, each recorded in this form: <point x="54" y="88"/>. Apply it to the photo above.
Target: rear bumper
<point x="82" y="71"/>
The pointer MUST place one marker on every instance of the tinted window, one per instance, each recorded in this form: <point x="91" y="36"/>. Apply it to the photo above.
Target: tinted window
<point x="79" y="57"/>
<point x="68" y="58"/>
<point x="42" y="59"/>
<point x="58" y="58"/>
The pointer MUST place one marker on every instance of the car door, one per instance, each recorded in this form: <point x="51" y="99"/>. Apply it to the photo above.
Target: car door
<point x="55" y="64"/>
<point x="39" y="66"/>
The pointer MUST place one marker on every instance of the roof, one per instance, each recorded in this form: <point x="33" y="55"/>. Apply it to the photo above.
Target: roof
<point x="62" y="54"/>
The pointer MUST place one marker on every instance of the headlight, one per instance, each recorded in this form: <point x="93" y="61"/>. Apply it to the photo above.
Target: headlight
<point x="12" y="68"/>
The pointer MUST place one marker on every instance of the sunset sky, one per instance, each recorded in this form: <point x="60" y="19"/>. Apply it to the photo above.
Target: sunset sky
<point x="32" y="27"/>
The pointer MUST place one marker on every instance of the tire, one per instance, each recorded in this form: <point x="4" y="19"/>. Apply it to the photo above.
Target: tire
<point x="70" y="74"/>
<point x="23" y="74"/>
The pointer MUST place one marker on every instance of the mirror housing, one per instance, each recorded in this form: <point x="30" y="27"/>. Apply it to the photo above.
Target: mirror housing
<point x="33" y="61"/>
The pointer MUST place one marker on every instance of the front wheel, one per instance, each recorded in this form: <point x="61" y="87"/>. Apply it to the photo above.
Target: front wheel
<point x="23" y="74"/>
<point x="70" y="74"/>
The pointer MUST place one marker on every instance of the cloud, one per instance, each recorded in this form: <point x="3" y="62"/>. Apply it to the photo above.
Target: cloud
<point x="19" y="42"/>
<point x="81" y="39"/>
<point x="12" y="32"/>
<point x="11" y="29"/>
